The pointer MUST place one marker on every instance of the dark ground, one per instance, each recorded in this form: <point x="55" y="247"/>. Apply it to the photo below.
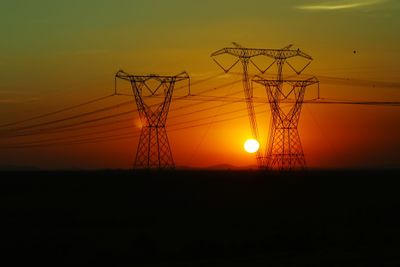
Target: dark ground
<point x="203" y="218"/>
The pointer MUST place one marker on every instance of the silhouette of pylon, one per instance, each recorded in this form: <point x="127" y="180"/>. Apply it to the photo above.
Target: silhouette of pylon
<point x="153" y="151"/>
<point x="284" y="149"/>
<point x="245" y="56"/>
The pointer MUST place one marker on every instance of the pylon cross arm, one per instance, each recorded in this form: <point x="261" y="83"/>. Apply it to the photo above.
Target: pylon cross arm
<point x="262" y="70"/>
<point x="226" y="70"/>
<point x="300" y="83"/>
<point x="296" y="83"/>
<point x="240" y="52"/>
<point x="243" y="52"/>
<point x="298" y="71"/>
<point x="153" y="91"/>
<point x="143" y="78"/>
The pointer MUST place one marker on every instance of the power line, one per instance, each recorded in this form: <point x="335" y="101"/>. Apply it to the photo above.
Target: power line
<point x="200" y="97"/>
<point x="110" y="138"/>
<point x="172" y="125"/>
<point x="65" y="127"/>
<point x="313" y="101"/>
<point x="84" y="104"/>
<point x="55" y="112"/>
<point x="57" y="140"/>
<point x="352" y="102"/>
<point x="227" y="101"/>
<point x="47" y="130"/>
<point x="73" y="116"/>
<point x="193" y="98"/>
<point x="131" y="135"/>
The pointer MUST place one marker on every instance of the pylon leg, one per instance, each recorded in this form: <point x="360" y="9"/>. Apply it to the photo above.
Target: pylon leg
<point x="142" y="159"/>
<point x="165" y="156"/>
<point x="153" y="150"/>
<point x="285" y="151"/>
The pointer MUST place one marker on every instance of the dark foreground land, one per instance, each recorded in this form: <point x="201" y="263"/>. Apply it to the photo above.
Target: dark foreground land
<point x="204" y="218"/>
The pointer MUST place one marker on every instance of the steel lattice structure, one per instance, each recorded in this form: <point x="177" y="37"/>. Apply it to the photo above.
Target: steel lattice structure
<point x="153" y="150"/>
<point x="245" y="55"/>
<point x="280" y="137"/>
<point x="284" y="149"/>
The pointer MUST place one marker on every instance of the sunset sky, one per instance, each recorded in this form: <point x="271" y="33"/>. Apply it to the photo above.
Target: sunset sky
<point x="56" y="54"/>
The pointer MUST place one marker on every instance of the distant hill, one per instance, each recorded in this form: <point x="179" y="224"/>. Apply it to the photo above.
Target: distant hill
<point x="18" y="168"/>
<point x="231" y="167"/>
<point x="221" y="166"/>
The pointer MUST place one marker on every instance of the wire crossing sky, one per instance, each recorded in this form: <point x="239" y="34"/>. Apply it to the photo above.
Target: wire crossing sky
<point x="58" y="59"/>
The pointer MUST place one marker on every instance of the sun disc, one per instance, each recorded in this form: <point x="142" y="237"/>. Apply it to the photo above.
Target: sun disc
<point x="251" y="146"/>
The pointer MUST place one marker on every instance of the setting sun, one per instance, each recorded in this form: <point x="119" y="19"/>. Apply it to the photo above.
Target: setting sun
<point x="251" y="146"/>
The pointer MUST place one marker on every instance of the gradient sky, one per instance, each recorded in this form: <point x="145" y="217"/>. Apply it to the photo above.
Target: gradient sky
<point x="54" y="54"/>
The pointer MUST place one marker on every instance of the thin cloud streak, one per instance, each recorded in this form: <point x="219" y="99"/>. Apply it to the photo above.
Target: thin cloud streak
<point x="338" y="5"/>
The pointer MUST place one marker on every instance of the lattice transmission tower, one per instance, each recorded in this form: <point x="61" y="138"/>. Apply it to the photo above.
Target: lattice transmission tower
<point x="284" y="151"/>
<point x="245" y="57"/>
<point x="153" y="150"/>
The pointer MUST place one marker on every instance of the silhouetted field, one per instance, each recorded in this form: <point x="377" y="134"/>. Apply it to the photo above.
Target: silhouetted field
<point x="200" y="218"/>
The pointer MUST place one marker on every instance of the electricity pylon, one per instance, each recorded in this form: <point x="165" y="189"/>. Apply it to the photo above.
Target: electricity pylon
<point x="284" y="149"/>
<point x="245" y="55"/>
<point x="153" y="150"/>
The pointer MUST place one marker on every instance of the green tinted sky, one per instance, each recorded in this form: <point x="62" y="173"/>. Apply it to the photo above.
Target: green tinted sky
<point x="40" y="38"/>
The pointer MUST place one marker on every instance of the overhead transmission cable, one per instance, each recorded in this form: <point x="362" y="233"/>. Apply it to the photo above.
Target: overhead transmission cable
<point x="102" y="110"/>
<point x="176" y="116"/>
<point x="130" y="135"/>
<point x="80" y="105"/>
<point x="55" y="112"/>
